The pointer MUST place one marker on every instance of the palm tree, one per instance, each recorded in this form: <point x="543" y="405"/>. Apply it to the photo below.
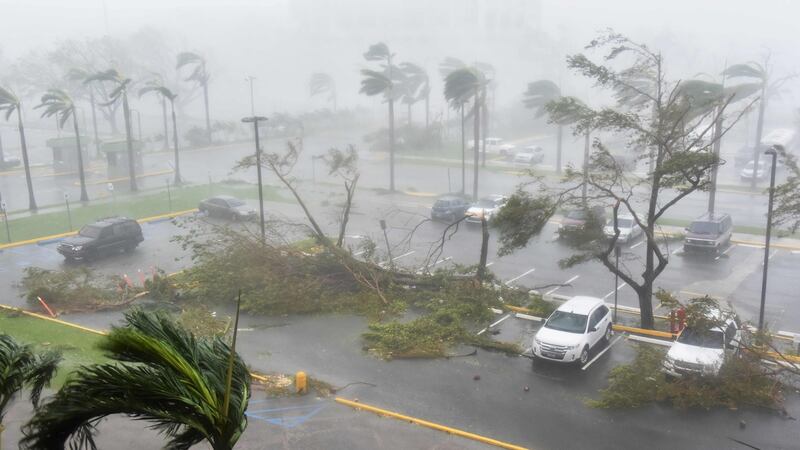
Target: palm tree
<point x="539" y="94"/>
<point x="21" y="367"/>
<point x="321" y="83"/>
<point x="80" y="75"/>
<point x="190" y="389"/>
<point x="167" y="95"/>
<point x="59" y="104"/>
<point x="10" y="104"/>
<point x="383" y="83"/>
<point x="200" y="76"/>
<point x="768" y="88"/>
<point x="461" y="86"/>
<point x="446" y="67"/>
<point x="120" y="92"/>
<point x="416" y="86"/>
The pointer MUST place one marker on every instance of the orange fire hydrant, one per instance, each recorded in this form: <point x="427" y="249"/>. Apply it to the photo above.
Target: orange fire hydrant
<point x="301" y="382"/>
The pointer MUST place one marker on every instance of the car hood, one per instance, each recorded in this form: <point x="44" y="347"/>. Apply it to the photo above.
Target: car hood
<point x="477" y="210"/>
<point x="609" y="231"/>
<point x="556" y="337"/>
<point x="572" y="222"/>
<point x="701" y="236"/>
<point x="77" y="240"/>
<point x="697" y="355"/>
<point x="244" y="209"/>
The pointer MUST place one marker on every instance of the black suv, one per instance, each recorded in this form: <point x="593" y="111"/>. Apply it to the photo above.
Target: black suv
<point x="449" y="207"/>
<point x="708" y="233"/>
<point x="102" y="237"/>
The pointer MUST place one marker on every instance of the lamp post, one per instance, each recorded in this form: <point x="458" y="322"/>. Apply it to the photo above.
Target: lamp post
<point x="69" y="213"/>
<point x="617" y="251"/>
<point x="772" y="151"/>
<point x="4" y="209"/>
<point x="250" y="79"/>
<point x="254" y="120"/>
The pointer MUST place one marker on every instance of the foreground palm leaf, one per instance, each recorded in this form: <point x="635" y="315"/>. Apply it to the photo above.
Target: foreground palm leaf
<point x="20" y="367"/>
<point x="163" y="375"/>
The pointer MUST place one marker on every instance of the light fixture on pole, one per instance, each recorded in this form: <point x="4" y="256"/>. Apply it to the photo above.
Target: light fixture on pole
<point x="772" y="151"/>
<point x="254" y="120"/>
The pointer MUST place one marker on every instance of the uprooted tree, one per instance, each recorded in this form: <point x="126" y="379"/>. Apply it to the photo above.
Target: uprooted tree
<point x="669" y="123"/>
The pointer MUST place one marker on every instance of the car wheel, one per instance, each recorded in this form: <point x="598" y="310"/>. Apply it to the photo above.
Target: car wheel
<point x="608" y="334"/>
<point x="129" y="248"/>
<point x="584" y="356"/>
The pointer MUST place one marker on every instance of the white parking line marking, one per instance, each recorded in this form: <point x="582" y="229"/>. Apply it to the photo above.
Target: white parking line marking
<point x="613" y="343"/>
<point x="648" y="340"/>
<point x="489" y="263"/>
<point x="796" y="252"/>
<point x="615" y="290"/>
<point x="497" y="322"/>
<point x="508" y="283"/>
<point x="638" y="244"/>
<point x="750" y="245"/>
<point x="730" y="247"/>
<point x="403" y="255"/>
<point x="774" y="252"/>
<point x="676" y="251"/>
<point x="359" y="253"/>
<point x="566" y="282"/>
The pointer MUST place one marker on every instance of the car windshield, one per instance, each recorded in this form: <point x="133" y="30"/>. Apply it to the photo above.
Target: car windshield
<point x="235" y="202"/>
<point x="576" y="214"/>
<point x="621" y="223"/>
<point x="486" y="203"/>
<point x="705" y="338"/>
<point x="441" y="204"/>
<point x="703" y="227"/>
<point x="567" y="321"/>
<point x="90" y="231"/>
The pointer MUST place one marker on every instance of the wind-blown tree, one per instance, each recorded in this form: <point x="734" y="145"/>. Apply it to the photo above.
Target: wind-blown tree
<point x="539" y="94"/>
<point x="161" y="374"/>
<point x="167" y="95"/>
<point x="58" y="103"/>
<point x="460" y="86"/>
<point x="11" y="104"/>
<point x="768" y="87"/>
<point x="383" y="83"/>
<point x="120" y="93"/>
<point x="787" y="195"/>
<point x="491" y="84"/>
<point x="21" y="367"/>
<point x="448" y="66"/>
<point x="323" y="83"/>
<point x="78" y="75"/>
<point x="200" y="76"/>
<point x="659" y="119"/>
<point x="416" y="87"/>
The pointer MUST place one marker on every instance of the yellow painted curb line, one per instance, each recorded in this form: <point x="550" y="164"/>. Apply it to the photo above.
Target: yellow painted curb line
<point x="51" y="319"/>
<point x="771" y="245"/>
<point x="420" y="194"/>
<point x="518" y="309"/>
<point x="71" y="233"/>
<point x="114" y="180"/>
<point x="425" y="423"/>
<point x="655" y="333"/>
<point x="792" y="358"/>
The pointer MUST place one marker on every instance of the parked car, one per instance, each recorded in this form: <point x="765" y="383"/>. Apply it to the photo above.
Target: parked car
<point x="708" y="233"/>
<point x="745" y="154"/>
<point x="573" y="329"/>
<point x="227" y="207"/>
<point x="578" y="218"/>
<point x="495" y="145"/>
<point x="9" y="163"/>
<point x="530" y="155"/>
<point x="628" y="228"/>
<point x="749" y="171"/>
<point x="102" y="238"/>
<point x="449" y="207"/>
<point x="699" y="351"/>
<point x="487" y="207"/>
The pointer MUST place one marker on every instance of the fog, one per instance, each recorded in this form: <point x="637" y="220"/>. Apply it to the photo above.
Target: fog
<point x="281" y="42"/>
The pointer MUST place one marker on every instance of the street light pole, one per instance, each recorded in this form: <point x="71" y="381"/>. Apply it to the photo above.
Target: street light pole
<point x="254" y="120"/>
<point x="617" y="251"/>
<point x="772" y="151"/>
<point x="250" y="78"/>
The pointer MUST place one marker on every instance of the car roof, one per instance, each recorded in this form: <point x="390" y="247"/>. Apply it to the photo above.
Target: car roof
<point x="450" y="197"/>
<point x="223" y="197"/>
<point x="580" y="304"/>
<point x="107" y="221"/>
<point x="493" y="197"/>
<point x="711" y="217"/>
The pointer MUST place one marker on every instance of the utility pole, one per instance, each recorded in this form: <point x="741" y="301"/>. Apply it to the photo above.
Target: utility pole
<point x="254" y="120"/>
<point x="250" y="79"/>
<point x="773" y="151"/>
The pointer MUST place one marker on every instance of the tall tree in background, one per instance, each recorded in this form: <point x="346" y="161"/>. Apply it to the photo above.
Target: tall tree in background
<point x="446" y="67"/>
<point x="11" y="104"/>
<point x="200" y="76"/>
<point x="323" y="83"/>
<point x="462" y="85"/>
<point x="161" y="374"/>
<point x="167" y="95"/>
<point x="120" y="93"/>
<point x="21" y="367"/>
<point x="59" y="104"/>
<point x="79" y="75"/>
<point x="416" y="87"/>
<point x="383" y="83"/>
<point x="539" y="94"/>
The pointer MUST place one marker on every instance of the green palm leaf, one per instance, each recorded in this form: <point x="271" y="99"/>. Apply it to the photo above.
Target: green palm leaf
<point x="20" y="367"/>
<point x="8" y="102"/>
<point x="377" y="52"/>
<point x="374" y="83"/>
<point x="749" y="70"/>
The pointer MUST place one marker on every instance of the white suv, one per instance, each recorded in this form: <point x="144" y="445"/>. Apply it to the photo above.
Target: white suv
<point x="701" y="351"/>
<point x="572" y="330"/>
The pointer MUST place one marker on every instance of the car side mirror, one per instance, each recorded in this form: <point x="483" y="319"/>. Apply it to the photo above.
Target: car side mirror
<point x="593" y="329"/>
<point x="730" y="346"/>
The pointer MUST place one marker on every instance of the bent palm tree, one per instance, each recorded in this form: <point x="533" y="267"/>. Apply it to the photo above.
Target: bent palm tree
<point x="382" y="83"/>
<point x="120" y="92"/>
<point x="20" y="367"/>
<point x="539" y="94"/>
<point x="11" y="104"/>
<point x="321" y="83"/>
<point x="163" y="375"/>
<point x="201" y="77"/>
<point x="461" y="86"/>
<point x="416" y="87"/>
<point x="58" y="103"/>
<point x="167" y="95"/>
<point x="80" y="75"/>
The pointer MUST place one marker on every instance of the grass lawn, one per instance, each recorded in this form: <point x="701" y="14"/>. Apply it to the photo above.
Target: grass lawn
<point x="135" y="206"/>
<point x="77" y="347"/>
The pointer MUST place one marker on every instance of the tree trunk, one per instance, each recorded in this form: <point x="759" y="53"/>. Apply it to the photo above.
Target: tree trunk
<point x="391" y="145"/>
<point x="129" y="142"/>
<point x="166" y="127"/>
<point x="484" y="249"/>
<point x="81" y="175"/>
<point x="712" y="192"/>
<point x="178" y="179"/>
<point x="94" y="124"/>
<point x="759" y="130"/>
<point x="463" y="154"/>
<point x="427" y="109"/>
<point x="31" y="199"/>
<point x="2" y="155"/>
<point x="586" y="147"/>
<point x="646" y="306"/>
<point x="485" y="125"/>
<point x="205" y="102"/>
<point x="477" y="134"/>
<point x="409" y="114"/>
<point x="559" y="138"/>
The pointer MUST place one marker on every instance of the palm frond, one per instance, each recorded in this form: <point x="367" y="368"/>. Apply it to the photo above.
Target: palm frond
<point x="377" y="52"/>
<point x="160" y="90"/>
<point x="749" y="70"/>
<point x="8" y="102"/>
<point x="185" y="58"/>
<point x="539" y="93"/>
<point x="107" y="75"/>
<point x="20" y="366"/>
<point x="319" y="83"/>
<point x="374" y="83"/>
<point x="462" y="84"/>
<point x="450" y="65"/>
